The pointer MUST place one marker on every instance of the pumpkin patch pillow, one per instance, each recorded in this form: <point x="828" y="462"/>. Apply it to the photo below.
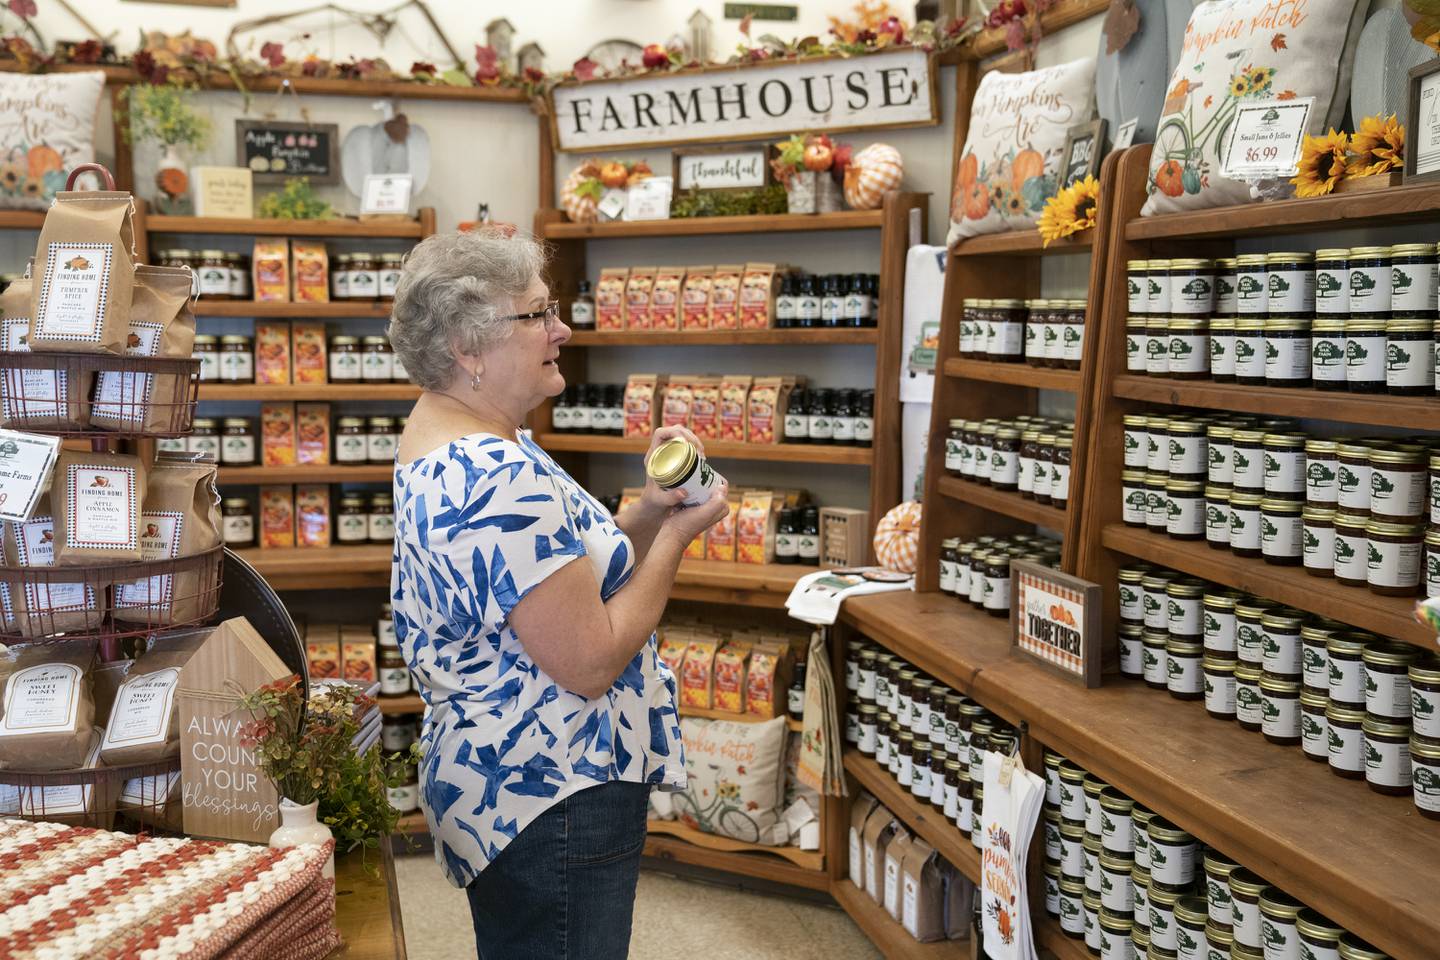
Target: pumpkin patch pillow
<point x="1238" y="52"/>
<point x="1011" y="159"/>
<point x="47" y="127"/>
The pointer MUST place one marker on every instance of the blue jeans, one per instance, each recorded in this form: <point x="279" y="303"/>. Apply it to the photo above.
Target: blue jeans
<point x="564" y="889"/>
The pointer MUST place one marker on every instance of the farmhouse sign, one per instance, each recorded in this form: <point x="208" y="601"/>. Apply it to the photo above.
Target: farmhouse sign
<point x="895" y="88"/>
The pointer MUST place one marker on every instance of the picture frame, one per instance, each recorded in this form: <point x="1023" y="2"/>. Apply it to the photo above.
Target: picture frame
<point x="1055" y="621"/>
<point x="276" y="150"/>
<point x="1422" y="124"/>
<point x="1083" y="151"/>
<point x="721" y="169"/>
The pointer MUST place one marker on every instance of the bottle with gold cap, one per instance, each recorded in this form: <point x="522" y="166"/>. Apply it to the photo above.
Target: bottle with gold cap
<point x="678" y="465"/>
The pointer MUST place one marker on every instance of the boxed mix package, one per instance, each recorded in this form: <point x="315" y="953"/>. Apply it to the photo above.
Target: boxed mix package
<point x="642" y="403"/>
<point x="895" y="853"/>
<point x="161" y="325"/>
<point x="696" y="674"/>
<point x="758" y="288"/>
<point x="765" y="683"/>
<point x="97" y="499"/>
<point x="922" y="895"/>
<point x="357" y="653"/>
<point x="861" y="807"/>
<point x="322" y="650"/>
<point x="765" y="415"/>
<point x="879" y="830"/>
<point x="312" y="434"/>
<point x="720" y="539"/>
<point x="610" y="299"/>
<point x="729" y="683"/>
<point x="679" y="399"/>
<point x="83" y="274"/>
<point x="272" y="352"/>
<point x="665" y="298"/>
<point x="277" y="434"/>
<point x="311" y="271"/>
<point x="307" y="352"/>
<point x="270" y="263"/>
<point x="277" y="516"/>
<point x="672" y="651"/>
<point x="725" y="297"/>
<point x="695" y="299"/>
<point x="705" y="407"/>
<point x="734" y="401"/>
<point x="312" y="515"/>
<point x="638" y="290"/>
<point x="755" y="527"/>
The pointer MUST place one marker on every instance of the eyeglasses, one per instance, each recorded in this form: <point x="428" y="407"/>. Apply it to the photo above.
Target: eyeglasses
<point x="550" y="314"/>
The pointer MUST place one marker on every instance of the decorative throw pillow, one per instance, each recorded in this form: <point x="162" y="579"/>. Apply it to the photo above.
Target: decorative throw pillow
<point x="736" y="779"/>
<point x="1238" y="52"/>
<point x="1018" y="123"/>
<point x="47" y="127"/>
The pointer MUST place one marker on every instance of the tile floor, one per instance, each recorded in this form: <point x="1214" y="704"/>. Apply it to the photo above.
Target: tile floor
<point x="673" y="918"/>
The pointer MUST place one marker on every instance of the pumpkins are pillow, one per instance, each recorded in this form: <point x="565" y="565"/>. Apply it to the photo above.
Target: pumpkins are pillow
<point x="1237" y="52"/>
<point x="47" y="127"/>
<point x="1009" y="167"/>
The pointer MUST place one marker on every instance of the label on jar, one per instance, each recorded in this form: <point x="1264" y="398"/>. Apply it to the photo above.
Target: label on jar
<point x="237" y="449"/>
<point x="1157" y="509"/>
<point x="1251" y="296"/>
<point x="1318" y="546"/>
<point x="1247" y="467"/>
<point x="967" y="337"/>
<point x="1132" y="655"/>
<point x="1072" y="913"/>
<point x="1397" y="493"/>
<point x="996" y="593"/>
<point x="953" y="451"/>
<point x="1225" y="296"/>
<point x="1291" y="291"/>
<point x="820" y="427"/>
<point x="1287" y="358"/>
<point x="1412" y="286"/>
<point x="1369" y="289"/>
<point x="1327" y="357"/>
<point x="962" y="580"/>
<point x="582" y="313"/>
<point x="1004" y="467"/>
<point x="842" y="429"/>
<point x="1162" y="926"/>
<point x="205" y="446"/>
<point x="864" y="429"/>
<point x="344" y="366"/>
<point x="376" y="366"/>
<point x="1052" y="344"/>
<point x="948" y="572"/>
<point x="1131" y="602"/>
<point x="394" y="681"/>
<point x="1060" y="483"/>
<point x="1219" y="630"/>
<point x="1220" y="693"/>
<point x="1117" y="834"/>
<point x="237" y="366"/>
<point x="867" y="684"/>
<point x="1142" y="859"/>
<point x="920" y="781"/>
<point x="214" y="282"/>
<point x="1365" y="357"/>
<point x="1134" y="504"/>
<point x="1244" y="528"/>
<point x="1222" y="353"/>
<point x="1153" y="602"/>
<point x="1279" y="716"/>
<point x="1154" y="666"/>
<point x="1280" y="536"/>
<point x="1142" y="892"/>
<point x="1026" y="481"/>
<point x="1250" y="355"/>
<point x="1192" y="295"/>
<point x="352" y="528"/>
<point x="209" y="365"/>
<point x="1409" y="363"/>
<point x="1187" y="455"/>
<point x="1248" y="708"/>
<point x="1157" y="355"/>
<point x="1182" y="674"/>
<point x="809" y="546"/>
<point x="1189" y="353"/>
<point x="1053" y="849"/>
<point x="1312" y="734"/>
<point x="380" y="447"/>
<point x="1281" y="940"/>
<point x="1135" y="351"/>
<point x="1249" y="642"/>
<point x="581" y="418"/>
<point x="1006" y="339"/>
<point x="1136" y="445"/>
<point x="1347" y="681"/>
<point x="1183" y="616"/>
<point x="1387" y="763"/>
<point x="797" y="426"/>
<point x="831" y="309"/>
<point x="1135" y="293"/>
<point x="1387" y="694"/>
<point x="1332" y="290"/>
<point x="1157" y="295"/>
<point x="1072" y="338"/>
<point x="951" y="804"/>
<point x="1347" y="747"/>
<point x="381" y="527"/>
<point x="1423" y="713"/>
<point x="1352" y="482"/>
<point x="1245" y="921"/>
<point x="904" y="768"/>
<point x="1320" y="480"/>
<point x="1392" y="564"/>
<point x="1425" y="776"/>
<point x="1185" y="516"/>
<point x="561" y="418"/>
<point x="1220" y="465"/>
<point x="238" y="531"/>
<point x="404" y="798"/>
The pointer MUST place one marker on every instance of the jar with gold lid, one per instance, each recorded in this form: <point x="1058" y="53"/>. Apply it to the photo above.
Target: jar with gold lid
<point x="237" y="359"/>
<point x="352" y="520"/>
<point x="377" y="363"/>
<point x="350" y="440"/>
<point x="345" y="360"/>
<point x="214" y="276"/>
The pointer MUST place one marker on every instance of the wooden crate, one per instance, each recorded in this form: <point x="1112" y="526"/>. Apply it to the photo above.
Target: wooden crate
<point x="844" y="536"/>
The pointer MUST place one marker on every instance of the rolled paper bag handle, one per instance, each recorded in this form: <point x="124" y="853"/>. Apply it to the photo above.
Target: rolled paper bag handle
<point x="96" y="168"/>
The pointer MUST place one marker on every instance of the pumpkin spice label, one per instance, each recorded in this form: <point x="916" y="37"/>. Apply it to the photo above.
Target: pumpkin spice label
<point x="72" y="305"/>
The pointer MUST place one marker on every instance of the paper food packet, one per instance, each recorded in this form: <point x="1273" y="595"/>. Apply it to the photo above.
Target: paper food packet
<point x="142" y="726"/>
<point x="162" y="324"/>
<point x="725" y="297"/>
<point x="97" y="499"/>
<point x="665" y="298"/>
<point x="52" y="607"/>
<point x="695" y="299"/>
<point x="180" y="518"/>
<point x="705" y="407"/>
<point x="758" y="287"/>
<point x="610" y="299"/>
<point x="36" y="398"/>
<point x="638" y="289"/>
<point x="84" y="271"/>
<point x="734" y="398"/>
<point x="47" y="710"/>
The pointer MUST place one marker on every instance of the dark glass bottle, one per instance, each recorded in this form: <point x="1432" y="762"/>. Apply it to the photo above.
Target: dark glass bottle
<point x="785" y="302"/>
<point x="797" y="417"/>
<point x="615" y="408"/>
<point x="819" y="405"/>
<point x="787" y="538"/>
<point x="842" y="421"/>
<point x="872" y="285"/>
<point x="807" y="300"/>
<point x="796" y="698"/>
<point x="865" y="418"/>
<point x="832" y="301"/>
<point x="810" y="536"/>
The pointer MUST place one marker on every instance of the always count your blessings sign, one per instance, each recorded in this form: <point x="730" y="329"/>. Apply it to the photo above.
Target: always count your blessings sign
<point x="747" y="102"/>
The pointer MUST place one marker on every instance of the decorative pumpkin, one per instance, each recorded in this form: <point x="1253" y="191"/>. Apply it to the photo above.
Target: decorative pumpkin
<point x="897" y="538"/>
<point x="580" y="193"/>
<point x="818" y="156"/>
<point x="969" y="169"/>
<point x="874" y="172"/>
<point x="1027" y="164"/>
<point x="613" y="174"/>
<point x="1170" y="178"/>
<point x="976" y="201"/>
<point x="640" y="170"/>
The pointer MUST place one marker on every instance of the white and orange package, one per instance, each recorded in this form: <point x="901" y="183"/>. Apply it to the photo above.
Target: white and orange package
<point x="610" y="299"/>
<point x="725" y="297"/>
<point x="665" y="298"/>
<point x="755" y="527"/>
<point x="729" y="680"/>
<point x="757" y="296"/>
<point x="734" y="394"/>
<point x="720" y="539"/>
<point x="642" y="403"/>
<point x="765" y="417"/>
<point x="695" y="299"/>
<point x="679" y="399"/>
<point x="695" y="549"/>
<point x="695" y="674"/>
<point x="705" y="407"/>
<point x="637" y="298"/>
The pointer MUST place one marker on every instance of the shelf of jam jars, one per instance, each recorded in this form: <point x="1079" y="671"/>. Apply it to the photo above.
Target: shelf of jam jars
<point x="421" y="226"/>
<point x="1347" y="851"/>
<point x="715" y="449"/>
<point x="331" y="473"/>
<point x="308" y="391"/>
<point x="288" y="309"/>
<point x="1023" y="242"/>
<point x="1369" y="409"/>
<point x="1003" y="502"/>
<point x="1014" y="374"/>
<point x="555" y="229"/>
<point x="724" y="338"/>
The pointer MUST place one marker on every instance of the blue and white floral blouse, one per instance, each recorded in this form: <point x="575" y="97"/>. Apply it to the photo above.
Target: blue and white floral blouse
<point x="478" y="525"/>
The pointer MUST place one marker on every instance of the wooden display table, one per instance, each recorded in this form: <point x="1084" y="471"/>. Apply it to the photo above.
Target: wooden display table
<point x="367" y="909"/>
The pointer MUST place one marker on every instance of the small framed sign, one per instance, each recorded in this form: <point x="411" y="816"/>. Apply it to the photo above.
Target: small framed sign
<point x="649" y="199"/>
<point x="275" y="151"/>
<point x="720" y="168"/>
<point x="1265" y="139"/>
<point x="1055" y="618"/>
<point x="1125" y="134"/>
<point x="386" y="193"/>
<point x="1422" y="120"/>
<point x="1084" y="146"/>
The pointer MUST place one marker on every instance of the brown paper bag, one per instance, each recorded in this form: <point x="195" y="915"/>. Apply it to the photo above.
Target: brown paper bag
<point x="35" y="398"/>
<point x="161" y="325"/>
<point x="141" y="726"/>
<point x="48" y="707"/>
<point x="84" y="271"/>
<point x="42" y="609"/>
<point x="97" y="499"/>
<point x="74" y="804"/>
<point x="180" y="518"/>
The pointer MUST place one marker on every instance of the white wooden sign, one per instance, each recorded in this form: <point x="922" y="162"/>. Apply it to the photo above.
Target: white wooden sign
<point x="725" y="170"/>
<point x="895" y="88"/>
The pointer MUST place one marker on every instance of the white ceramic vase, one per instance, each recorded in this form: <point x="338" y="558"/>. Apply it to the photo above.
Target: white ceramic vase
<point x="800" y="192"/>
<point x="298" y="824"/>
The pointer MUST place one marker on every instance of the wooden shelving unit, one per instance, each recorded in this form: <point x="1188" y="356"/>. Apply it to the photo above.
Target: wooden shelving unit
<point x="1013" y="374"/>
<point x="314" y="474"/>
<point x="339" y="227"/>
<point x="322" y="568"/>
<point x="409" y="703"/>
<point x="739" y="584"/>
<point x="1027" y="242"/>
<point x="918" y="817"/>
<point x="862" y="336"/>
<point x="22" y="219"/>
<point x="338" y="310"/>
<point x="1371" y="409"/>
<point x="333" y="392"/>
<point x="886" y="933"/>
<point x="555" y="229"/>
<point x="1002" y="502"/>
<point x="714" y="449"/>
<point x="675" y="842"/>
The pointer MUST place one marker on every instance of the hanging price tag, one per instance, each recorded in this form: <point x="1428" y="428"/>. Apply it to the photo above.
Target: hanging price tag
<point x="1265" y="139"/>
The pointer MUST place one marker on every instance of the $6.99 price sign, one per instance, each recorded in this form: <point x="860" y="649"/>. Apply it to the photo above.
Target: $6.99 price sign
<point x="1265" y="139"/>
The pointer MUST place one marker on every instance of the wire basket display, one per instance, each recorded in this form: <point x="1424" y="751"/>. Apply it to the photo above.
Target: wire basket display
<point x="98" y="395"/>
<point x="142" y="796"/>
<point x="109" y="601"/>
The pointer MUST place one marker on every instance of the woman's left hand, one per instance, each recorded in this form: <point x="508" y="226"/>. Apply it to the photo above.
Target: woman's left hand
<point x="655" y="499"/>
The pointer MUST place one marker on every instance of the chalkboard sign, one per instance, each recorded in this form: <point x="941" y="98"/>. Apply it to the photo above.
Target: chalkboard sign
<point x="277" y="150"/>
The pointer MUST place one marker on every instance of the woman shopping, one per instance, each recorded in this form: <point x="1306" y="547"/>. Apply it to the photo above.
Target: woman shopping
<point x="549" y="715"/>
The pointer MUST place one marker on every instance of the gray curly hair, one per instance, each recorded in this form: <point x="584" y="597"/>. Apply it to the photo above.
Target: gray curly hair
<point x="455" y="288"/>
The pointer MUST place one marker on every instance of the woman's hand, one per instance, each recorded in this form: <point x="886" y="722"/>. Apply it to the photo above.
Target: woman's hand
<point x="655" y="499"/>
<point x="689" y="522"/>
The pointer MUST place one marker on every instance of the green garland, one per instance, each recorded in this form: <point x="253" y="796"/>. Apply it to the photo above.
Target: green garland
<point x="693" y="203"/>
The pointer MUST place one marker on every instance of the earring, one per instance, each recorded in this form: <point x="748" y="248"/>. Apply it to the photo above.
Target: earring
<point x="475" y="381"/>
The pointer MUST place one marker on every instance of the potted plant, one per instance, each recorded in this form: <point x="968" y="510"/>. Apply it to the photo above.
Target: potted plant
<point x="805" y="164"/>
<point x="308" y="750"/>
<point x="162" y="113"/>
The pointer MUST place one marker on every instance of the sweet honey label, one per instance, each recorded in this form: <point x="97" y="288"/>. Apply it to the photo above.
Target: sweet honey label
<point x="73" y="291"/>
<point x="142" y="711"/>
<point x="41" y="699"/>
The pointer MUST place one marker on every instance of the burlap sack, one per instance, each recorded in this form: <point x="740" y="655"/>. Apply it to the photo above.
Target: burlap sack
<point x="142" y="724"/>
<point x="35" y="398"/>
<point x="162" y="324"/>
<point x="42" y="609"/>
<point x="97" y="499"/>
<point x="180" y="518"/>
<point x="48" y="707"/>
<point x="84" y="271"/>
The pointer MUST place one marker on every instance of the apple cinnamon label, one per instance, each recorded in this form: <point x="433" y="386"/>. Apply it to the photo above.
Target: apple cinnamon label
<point x="73" y="292"/>
<point x="101" y="512"/>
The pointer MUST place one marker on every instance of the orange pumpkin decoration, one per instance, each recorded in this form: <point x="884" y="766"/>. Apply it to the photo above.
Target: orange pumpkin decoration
<point x="969" y="170"/>
<point x="1027" y="164"/>
<point x="1169" y="178"/>
<point x="42" y="159"/>
<point x="977" y="201"/>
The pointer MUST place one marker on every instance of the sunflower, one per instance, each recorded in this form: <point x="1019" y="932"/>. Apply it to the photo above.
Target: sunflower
<point x="1014" y="204"/>
<point x="1239" y="85"/>
<point x="33" y="187"/>
<point x="1259" y="79"/>
<point x="1071" y="210"/>
<point x="1377" y="147"/>
<point x="11" y="176"/>
<point x="1322" y="164"/>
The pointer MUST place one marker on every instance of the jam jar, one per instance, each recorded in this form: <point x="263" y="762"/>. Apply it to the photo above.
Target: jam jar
<point x="376" y="360"/>
<point x="237" y="359"/>
<point x="1005" y="460"/>
<point x="1136" y="344"/>
<point x="1250" y="351"/>
<point x="1287" y="351"/>
<point x="380" y="527"/>
<point x="1412" y="278"/>
<point x="1072" y="334"/>
<point x="1060" y="470"/>
<point x="1189" y="349"/>
<point x="1137" y="299"/>
<point x="1370" y="280"/>
<point x="1192" y="287"/>
<point x="237" y="523"/>
<point x="364" y="277"/>
<point x="1397" y="482"/>
<point x="237" y="442"/>
<point x="1282" y="531"/>
<point x="1251" y="293"/>
<point x="1394" y="555"/>
<point x="394" y="674"/>
<point x="1157" y="346"/>
<point x="1332" y="282"/>
<point x="350" y="440"/>
<point x="381" y="440"/>
<point x="1157" y="288"/>
<point x="1222" y="349"/>
<point x="391" y="265"/>
<point x="1327" y="353"/>
<point x="214" y="275"/>
<point x="1410" y="355"/>
<point x="238" y="266"/>
<point x="204" y="438"/>
<point x="1290" y="284"/>
<point x="954" y="448"/>
<point x="340" y="276"/>
<point x="1365" y="343"/>
<point x="352" y="520"/>
<point x="207" y="351"/>
<point x="345" y="361"/>
<point x="1387" y="755"/>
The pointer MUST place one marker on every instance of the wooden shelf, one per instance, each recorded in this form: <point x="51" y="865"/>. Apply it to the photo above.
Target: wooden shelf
<point x="887" y="934"/>
<point x="340" y="309"/>
<point x="333" y="392"/>
<point x="1388" y="616"/>
<point x="409" y="703"/>
<point x="22" y="219"/>
<point x="672" y="840"/>
<point x="1374" y="409"/>
<point x="713" y="226"/>
<point x="790" y="724"/>
<point x="741" y="584"/>
<point x="918" y="817"/>
<point x="412" y="823"/>
<point x="1001" y="501"/>
<point x="1354" y="855"/>
<point x="1049" y="936"/>
<point x="714" y="449"/>
<point x="325" y="474"/>
<point x="1063" y="14"/>
<point x="1340" y="211"/>
<point x="322" y="568"/>
<point x="805" y="859"/>
<point x="724" y="338"/>
<point x="1016" y="374"/>
<point x="258" y="227"/>
<point x="1023" y="242"/>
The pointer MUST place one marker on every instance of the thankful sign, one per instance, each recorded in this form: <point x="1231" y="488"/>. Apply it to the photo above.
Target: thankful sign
<point x="895" y="88"/>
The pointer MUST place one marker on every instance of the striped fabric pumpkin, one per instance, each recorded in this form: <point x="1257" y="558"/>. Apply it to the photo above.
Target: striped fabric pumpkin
<point x="897" y="538"/>
<point x="580" y="209"/>
<point x="874" y="172"/>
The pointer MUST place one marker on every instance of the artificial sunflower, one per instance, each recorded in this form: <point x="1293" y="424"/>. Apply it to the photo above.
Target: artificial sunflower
<point x="1377" y="147"/>
<point x="1322" y="164"/>
<point x="1071" y="210"/>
